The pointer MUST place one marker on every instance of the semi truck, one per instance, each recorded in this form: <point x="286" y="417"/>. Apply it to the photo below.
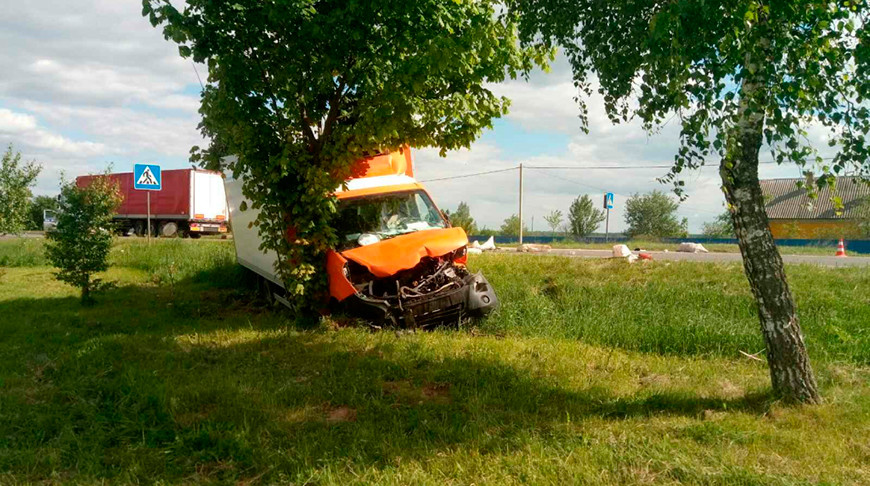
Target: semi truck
<point x="398" y="262"/>
<point x="190" y="203"/>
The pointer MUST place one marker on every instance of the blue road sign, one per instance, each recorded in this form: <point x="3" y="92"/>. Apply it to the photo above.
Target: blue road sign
<point x="608" y="200"/>
<point x="146" y="177"/>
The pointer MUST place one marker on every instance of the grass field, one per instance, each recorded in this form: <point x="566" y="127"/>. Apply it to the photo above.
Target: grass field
<point x="661" y="246"/>
<point x="591" y="372"/>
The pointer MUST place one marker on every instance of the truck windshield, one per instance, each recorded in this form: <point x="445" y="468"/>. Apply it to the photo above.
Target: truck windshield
<point x="386" y="215"/>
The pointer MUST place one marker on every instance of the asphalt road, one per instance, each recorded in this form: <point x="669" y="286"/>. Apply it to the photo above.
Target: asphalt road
<point x="830" y="261"/>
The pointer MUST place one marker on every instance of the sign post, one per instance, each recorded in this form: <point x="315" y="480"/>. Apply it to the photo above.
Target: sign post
<point x="608" y="205"/>
<point x="146" y="177"/>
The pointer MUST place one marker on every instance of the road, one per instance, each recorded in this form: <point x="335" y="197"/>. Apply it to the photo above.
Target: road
<point x="830" y="261"/>
<point x="26" y="234"/>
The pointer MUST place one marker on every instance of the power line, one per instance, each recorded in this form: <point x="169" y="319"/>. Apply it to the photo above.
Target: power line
<point x="197" y="74"/>
<point x="589" y="167"/>
<point x="470" y="175"/>
<point x="574" y="181"/>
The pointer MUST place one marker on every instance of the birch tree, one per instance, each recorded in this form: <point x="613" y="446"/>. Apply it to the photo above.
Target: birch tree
<point x="739" y="76"/>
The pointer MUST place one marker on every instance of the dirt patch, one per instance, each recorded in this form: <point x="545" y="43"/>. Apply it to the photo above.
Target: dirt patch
<point x="340" y="414"/>
<point x="191" y="418"/>
<point x="653" y="379"/>
<point x="406" y="392"/>
<point x="439" y="392"/>
<point x="730" y="390"/>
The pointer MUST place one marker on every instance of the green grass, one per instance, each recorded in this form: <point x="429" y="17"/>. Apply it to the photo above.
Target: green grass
<point x="591" y="372"/>
<point x="713" y="247"/>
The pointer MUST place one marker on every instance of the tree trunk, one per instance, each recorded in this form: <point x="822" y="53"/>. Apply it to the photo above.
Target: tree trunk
<point x="790" y="370"/>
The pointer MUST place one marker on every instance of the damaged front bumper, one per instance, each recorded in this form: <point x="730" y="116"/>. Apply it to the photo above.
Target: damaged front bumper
<point x="474" y="298"/>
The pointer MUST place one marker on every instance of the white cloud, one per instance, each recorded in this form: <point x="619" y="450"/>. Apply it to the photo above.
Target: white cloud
<point x="25" y="129"/>
<point x="15" y="123"/>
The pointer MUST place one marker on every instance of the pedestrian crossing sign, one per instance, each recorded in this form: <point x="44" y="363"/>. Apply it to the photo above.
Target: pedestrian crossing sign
<point x="146" y="177"/>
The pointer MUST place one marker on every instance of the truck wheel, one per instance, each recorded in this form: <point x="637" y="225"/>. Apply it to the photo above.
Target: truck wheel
<point x="139" y="228"/>
<point x="265" y="287"/>
<point x="169" y="229"/>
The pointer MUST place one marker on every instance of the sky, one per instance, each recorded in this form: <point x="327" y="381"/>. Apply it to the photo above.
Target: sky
<point x="90" y="83"/>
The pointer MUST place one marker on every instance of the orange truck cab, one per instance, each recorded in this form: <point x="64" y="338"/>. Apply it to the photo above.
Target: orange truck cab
<point x="398" y="261"/>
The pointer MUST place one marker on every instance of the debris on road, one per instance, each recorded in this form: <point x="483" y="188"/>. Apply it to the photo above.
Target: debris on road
<point x="534" y="248"/>
<point x="477" y="247"/>
<point x="692" y="248"/>
<point x="621" y="251"/>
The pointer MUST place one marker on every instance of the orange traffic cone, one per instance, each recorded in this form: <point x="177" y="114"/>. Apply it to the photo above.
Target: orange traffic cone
<point x="841" y="249"/>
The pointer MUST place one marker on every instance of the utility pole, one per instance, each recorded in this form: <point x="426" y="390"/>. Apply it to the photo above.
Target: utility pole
<point x="521" y="203"/>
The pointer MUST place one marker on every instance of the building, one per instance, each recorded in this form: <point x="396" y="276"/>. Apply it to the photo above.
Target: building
<point x="793" y="214"/>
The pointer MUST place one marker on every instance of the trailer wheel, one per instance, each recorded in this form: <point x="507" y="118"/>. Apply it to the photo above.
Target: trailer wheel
<point x="169" y="229"/>
<point x="131" y="231"/>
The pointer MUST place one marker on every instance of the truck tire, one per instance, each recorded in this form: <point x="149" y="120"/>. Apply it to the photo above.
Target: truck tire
<point x="169" y="229"/>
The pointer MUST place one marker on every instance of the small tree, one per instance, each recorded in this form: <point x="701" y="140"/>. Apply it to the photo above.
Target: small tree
<point x="462" y="218"/>
<point x="81" y="244"/>
<point x="653" y="214"/>
<point x="583" y="216"/>
<point x="554" y="219"/>
<point x="511" y="226"/>
<point x="15" y="183"/>
<point x="38" y="205"/>
<point x="721" y="227"/>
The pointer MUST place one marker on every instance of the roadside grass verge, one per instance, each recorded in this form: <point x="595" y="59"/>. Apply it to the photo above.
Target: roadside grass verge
<point x="22" y="252"/>
<point x="185" y="377"/>
<point x="661" y="246"/>
<point x="675" y="308"/>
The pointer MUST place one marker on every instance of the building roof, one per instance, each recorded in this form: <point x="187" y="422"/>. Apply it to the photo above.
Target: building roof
<point x="784" y="200"/>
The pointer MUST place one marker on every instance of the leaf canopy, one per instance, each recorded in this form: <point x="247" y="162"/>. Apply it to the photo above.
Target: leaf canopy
<point x="299" y="89"/>
<point x="656" y="60"/>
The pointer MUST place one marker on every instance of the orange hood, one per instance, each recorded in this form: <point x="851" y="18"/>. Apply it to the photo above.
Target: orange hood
<point x="391" y="256"/>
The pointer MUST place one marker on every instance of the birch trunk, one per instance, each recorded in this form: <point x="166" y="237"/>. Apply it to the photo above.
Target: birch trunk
<point x="790" y="371"/>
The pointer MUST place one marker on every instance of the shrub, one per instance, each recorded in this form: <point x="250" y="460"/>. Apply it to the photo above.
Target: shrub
<point x="80" y="245"/>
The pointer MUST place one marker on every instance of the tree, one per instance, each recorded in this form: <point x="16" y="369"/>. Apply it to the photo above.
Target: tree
<point x="15" y="183"/>
<point x="36" y="212"/>
<point x="583" y="216"/>
<point x="511" y="226"/>
<point x="721" y="227"/>
<point x="80" y="246"/>
<point x="298" y="91"/>
<point x="653" y="214"/>
<point x="554" y="219"/>
<point x="462" y="218"/>
<point x="737" y="74"/>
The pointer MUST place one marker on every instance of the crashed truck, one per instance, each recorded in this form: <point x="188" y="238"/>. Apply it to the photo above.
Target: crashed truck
<point x="398" y="261"/>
